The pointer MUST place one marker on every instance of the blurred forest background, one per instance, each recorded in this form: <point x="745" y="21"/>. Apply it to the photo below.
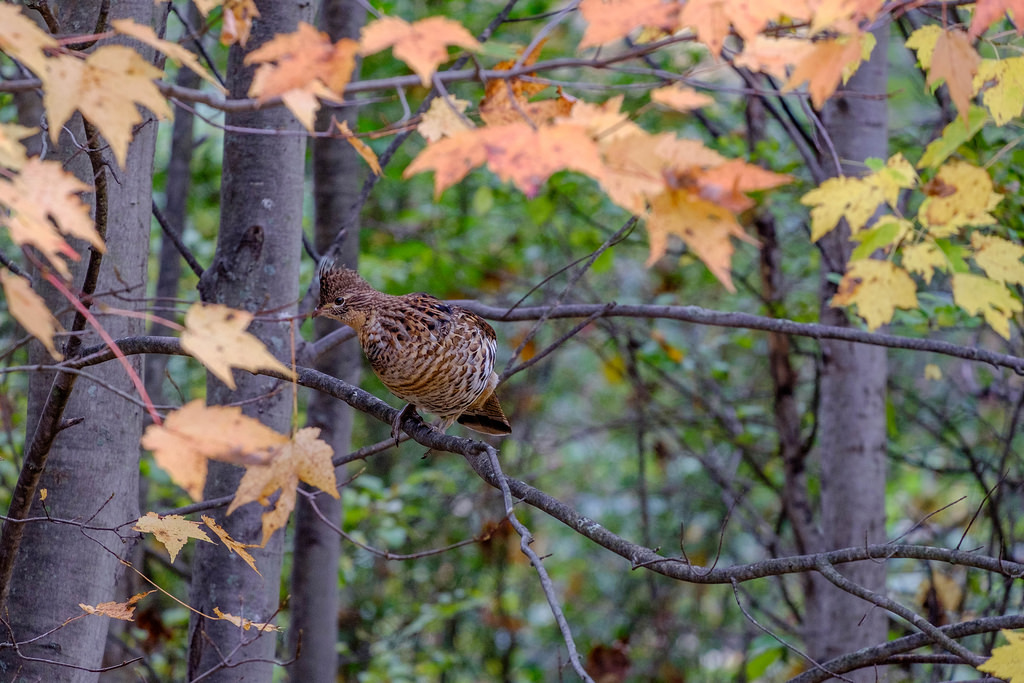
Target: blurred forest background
<point x="761" y="457"/>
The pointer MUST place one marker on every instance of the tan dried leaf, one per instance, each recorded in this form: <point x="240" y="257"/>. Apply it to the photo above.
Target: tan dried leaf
<point x="443" y="118"/>
<point x="178" y="53"/>
<point x="216" y="336"/>
<point x="173" y="531"/>
<point x="41" y="195"/>
<point x="116" y="610"/>
<point x="196" y="432"/>
<point x="243" y="623"/>
<point x="29" y="309"/>
<point x="23" y="40"/>
<point x="232" y="544"/>
<point x="305" y="458"/>
<point x="12" y="152"/>
<point x="105" y="87"/>
<point x="361" y="148"/>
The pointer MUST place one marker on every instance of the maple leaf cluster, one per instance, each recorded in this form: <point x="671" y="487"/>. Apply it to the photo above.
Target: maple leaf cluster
<point x="959" y="198"/>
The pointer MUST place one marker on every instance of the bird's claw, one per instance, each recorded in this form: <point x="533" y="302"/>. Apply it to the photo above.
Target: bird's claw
<point x="408" y="412"/>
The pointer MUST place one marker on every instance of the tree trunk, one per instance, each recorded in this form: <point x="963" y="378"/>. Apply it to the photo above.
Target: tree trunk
<point x="314" y="597"/>
<point x="852" y="424"/>
<point x="91" y="471"/>
<point x="256" y="267"/>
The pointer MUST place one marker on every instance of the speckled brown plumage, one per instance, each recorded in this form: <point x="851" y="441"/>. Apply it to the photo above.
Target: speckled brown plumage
<point x="435" y="356"/>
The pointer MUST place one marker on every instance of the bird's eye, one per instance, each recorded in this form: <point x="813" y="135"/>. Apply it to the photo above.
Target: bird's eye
<point x="339" y="301"/>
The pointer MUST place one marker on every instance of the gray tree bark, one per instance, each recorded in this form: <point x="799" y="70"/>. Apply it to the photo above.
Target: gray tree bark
<point x="256" y="267"/>
<point x="315" y="596"/>
<point x="91" y="472"/>
<point x="851" y="418"/>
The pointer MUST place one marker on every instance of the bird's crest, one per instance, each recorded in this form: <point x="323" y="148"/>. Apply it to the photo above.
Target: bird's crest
<point x="337" y="281"/>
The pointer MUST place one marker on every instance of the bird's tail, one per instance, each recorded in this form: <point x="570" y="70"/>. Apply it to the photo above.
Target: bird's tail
<point x="486" y="418"/>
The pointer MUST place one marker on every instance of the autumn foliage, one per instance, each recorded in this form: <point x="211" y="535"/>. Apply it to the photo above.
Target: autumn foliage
<point x="919" y="225"/>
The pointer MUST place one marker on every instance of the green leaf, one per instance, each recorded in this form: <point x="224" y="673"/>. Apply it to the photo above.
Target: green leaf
<point x="953" y="135"/>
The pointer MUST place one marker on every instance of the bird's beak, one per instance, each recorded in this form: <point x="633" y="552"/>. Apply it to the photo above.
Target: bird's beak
<point x="316" y="312"/>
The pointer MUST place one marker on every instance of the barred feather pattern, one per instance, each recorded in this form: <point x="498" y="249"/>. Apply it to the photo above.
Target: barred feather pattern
<point x="436" y="356"/>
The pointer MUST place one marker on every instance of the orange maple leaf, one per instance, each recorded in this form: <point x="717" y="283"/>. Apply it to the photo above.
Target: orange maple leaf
<point x="956" y="61"/>
<point x="422" y="45"/>
<point x="828" y="62"/>
<point x="609" y="20"/>
<point x="711" y="19"/>
<point x="506" y="100"/>
<point x="725" y="185"/>
<point x="705" y="227"/>
<point x="987" y="12"/>
<point x="300" y="67"/>
<point x="513" y="151"/>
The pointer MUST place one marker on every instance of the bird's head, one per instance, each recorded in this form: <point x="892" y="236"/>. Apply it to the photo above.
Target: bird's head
<point x="344" y="296"/>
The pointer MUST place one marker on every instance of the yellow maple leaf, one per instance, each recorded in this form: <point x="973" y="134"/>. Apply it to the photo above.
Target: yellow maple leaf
<point x="12" y="152"/>
<point x="922" y="41"/>
<point x="932" y="372"/>
<point x="704" y="226"/>
<point x="1007" y="661"/>
<point x="116" y="610"/>
<point x="680" y="97"/>
<point x="215" y="335"/>
<point x="105" y="87"/>
<point x="828" y="62"/>
<point x="609" y="20"/>
<point x="924" y="258"/>
<point x="878" y="288"/>
<point x="196" y="432"/>
<point x="1005" y="97"/>
<point x="300" y="67"/>
<point x="361" y="148"/>
<point x="960" y="195"/>
<point x="178" y="53"/>
<point x="243" y="623"/>
<point x="999" y="258"/>
<point x="855" y="199"/>
<point x="976" y="294"/>
<point x="29" y="309"/>
<point x="422" y="45"/>
<point x="304" y="458"/>
<point x="897" y="174"/>
<point x="43" y="195"/>
<point x="443" y="118"/>
<point x="23" y="40"/>
<point x="173" y="531"/>
<point x="232" y="544"/>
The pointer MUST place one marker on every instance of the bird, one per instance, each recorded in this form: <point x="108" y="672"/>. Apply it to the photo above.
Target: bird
<point x="435" y="356"/>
